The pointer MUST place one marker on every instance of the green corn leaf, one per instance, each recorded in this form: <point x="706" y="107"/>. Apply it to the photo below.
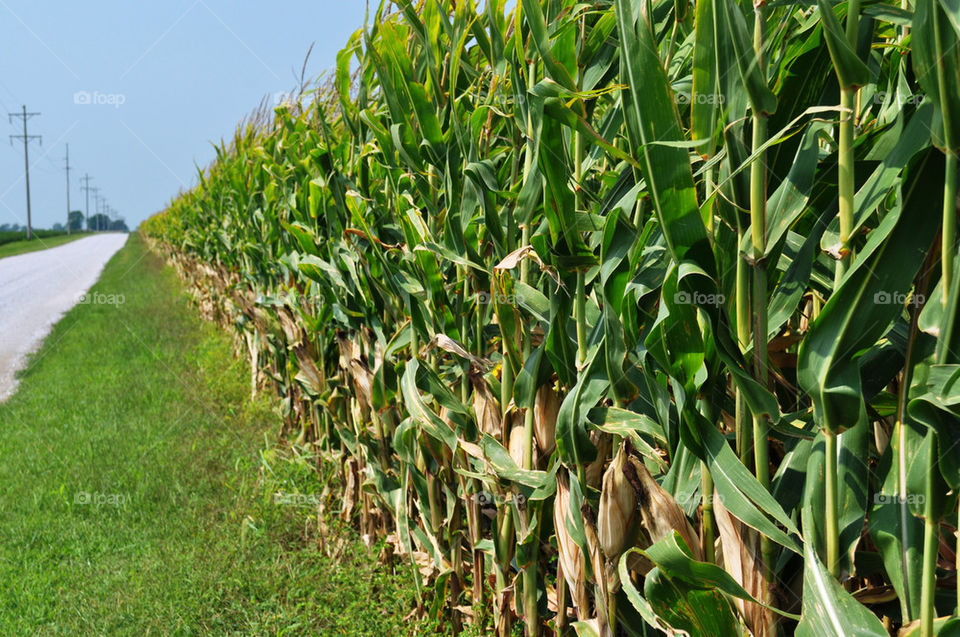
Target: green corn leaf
<point x="706" y="99"/>
<point x="651" y="116"/>
<point x="697" y="611"/>
<point x="674" y="559"/>
<point x="828" y="609"/>
<point x="929" y="18"/>
<point x="538" y="29"/>
<point x="762" y="99"/>
<point x="573" y="443"/>
<point x="860" y="310"/>
<point x="850" y="69"/>
<point x="741" y="494"/>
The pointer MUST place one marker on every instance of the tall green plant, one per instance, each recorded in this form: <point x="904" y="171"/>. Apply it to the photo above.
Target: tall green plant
<point x="585" y="299"/>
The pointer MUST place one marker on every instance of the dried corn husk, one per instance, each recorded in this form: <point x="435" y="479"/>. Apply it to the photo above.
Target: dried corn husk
<point x="618" y="507"/>
<point x="597" y="563"/>
<point x="517" y="439"/>
<point x="594" y="471"/>
<point x="545" y="409"/>
<point x="660" y="515"/>
<point x="486" y="408"/>
<point x="570" y="555"/>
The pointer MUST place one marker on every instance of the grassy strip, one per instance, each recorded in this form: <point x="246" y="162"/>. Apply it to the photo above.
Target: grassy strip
<point x="9" y="236"/>
<point x="137" y="499"/>
<point x="22" y="247"/>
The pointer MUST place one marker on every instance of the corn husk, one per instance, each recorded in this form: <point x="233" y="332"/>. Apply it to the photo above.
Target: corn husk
<point x="570" y="555"/>
<point x="618" y="507"/>
<point x="545" y="409"/>
<point x="486" y="408"/>
<point x="660" y="515"/>
<point x="594" y="471"/>
<point x="598" y="565"/>
<point x="517" y="438"/>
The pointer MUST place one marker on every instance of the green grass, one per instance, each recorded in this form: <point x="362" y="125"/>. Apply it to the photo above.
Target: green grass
<point x="9" y="236"/>
<point x="143" y="405"/>
<point x="23" y="246"/>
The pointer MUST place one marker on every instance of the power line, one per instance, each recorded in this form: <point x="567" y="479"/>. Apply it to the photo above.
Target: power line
<point x="26" y="155"/>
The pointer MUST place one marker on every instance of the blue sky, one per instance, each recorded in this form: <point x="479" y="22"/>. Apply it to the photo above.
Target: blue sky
<point x="163" y="80"/>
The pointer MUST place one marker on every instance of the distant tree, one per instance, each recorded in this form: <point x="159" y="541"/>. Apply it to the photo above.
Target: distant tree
<point x="57" y="227"/>
<point x="99" y="222"/>
<point x="76" y="220"/>
<point x="6" y="227"/>
<point x="118" y="225"/>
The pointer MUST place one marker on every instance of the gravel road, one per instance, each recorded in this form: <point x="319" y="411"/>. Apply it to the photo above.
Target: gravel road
<point x="37" y="288"/>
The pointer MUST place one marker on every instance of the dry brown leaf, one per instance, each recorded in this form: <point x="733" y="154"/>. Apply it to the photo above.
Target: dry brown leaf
<point x="309" y="372"/>
<point x="350" y="490"/>
<point x="513" y="259"/>
<point x="362" y="383"/>
<point x="291" y="329"/>
<point x="875" y="594"/>
<point x="740" y="547"/>
<point x="447" y="344"/>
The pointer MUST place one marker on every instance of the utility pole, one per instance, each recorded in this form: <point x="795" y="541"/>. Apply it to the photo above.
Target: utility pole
<point x="96" y="205"/>
<point x="26" y="155"/>
<point x="67" y="160"/>
<point x="86" y="187"/>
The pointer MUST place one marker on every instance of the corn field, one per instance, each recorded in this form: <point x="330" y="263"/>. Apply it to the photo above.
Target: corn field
<point x="617" y="317"/>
